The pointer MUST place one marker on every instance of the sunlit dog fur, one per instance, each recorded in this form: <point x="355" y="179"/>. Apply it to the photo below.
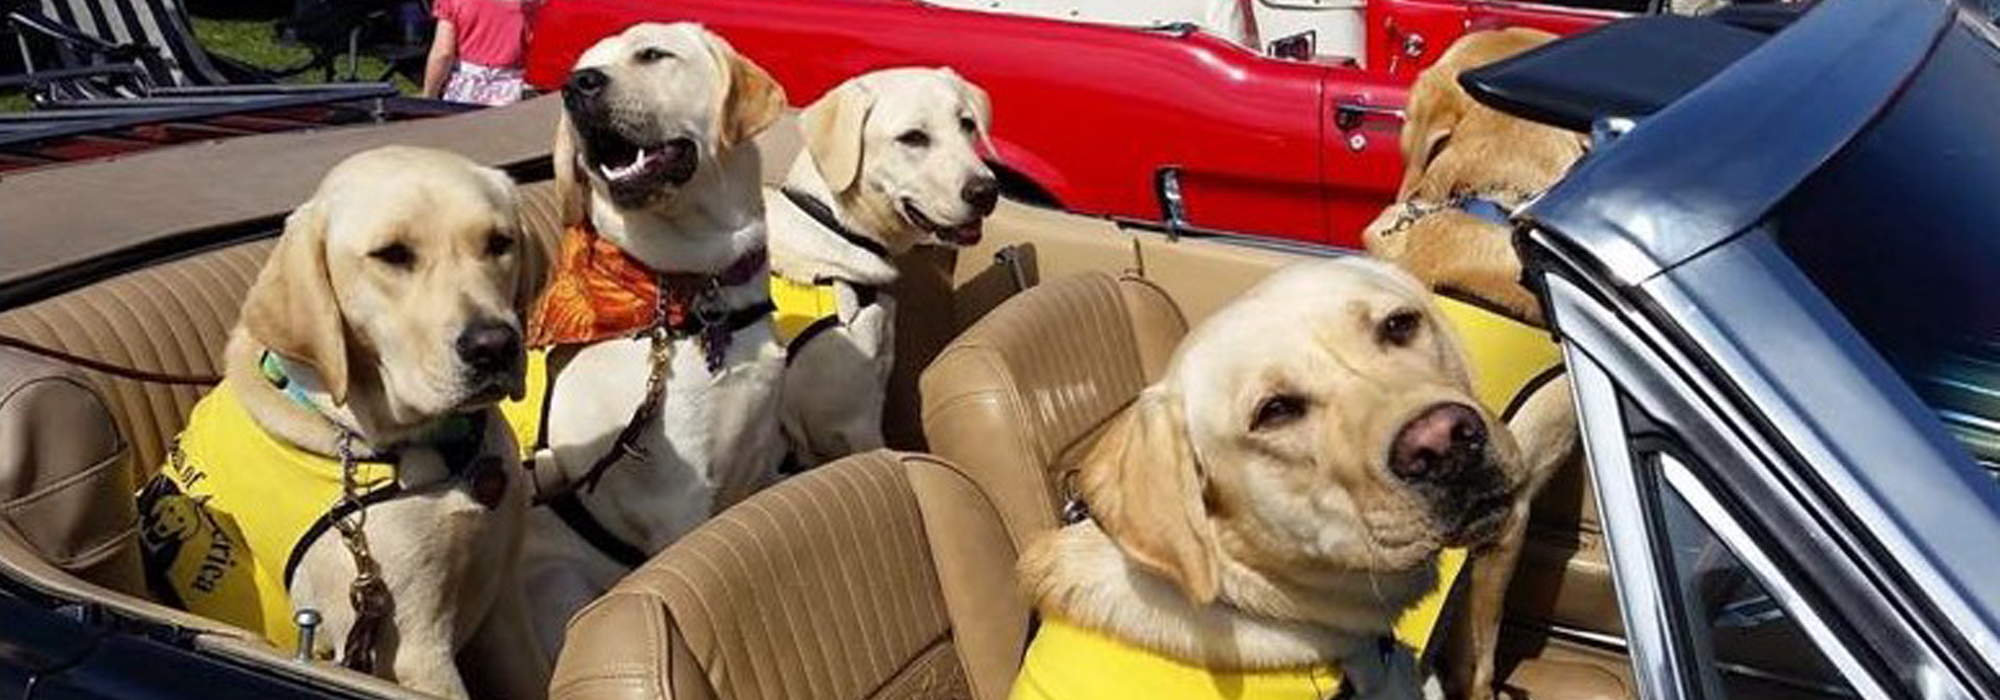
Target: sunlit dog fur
<point x="717" y="438"/>
<point x="399" y="252"/>
<point x="1245" y="514"/>
<point x="1454" y="145"/>
<point x="895" y="155"/>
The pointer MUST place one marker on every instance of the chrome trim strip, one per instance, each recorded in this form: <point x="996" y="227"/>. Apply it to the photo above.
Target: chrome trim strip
<point x="1635" y="572"/>
<point x="1740" y="543"/>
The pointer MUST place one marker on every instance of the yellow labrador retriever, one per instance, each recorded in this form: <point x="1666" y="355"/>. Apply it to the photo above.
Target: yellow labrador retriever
<point x="353" y="451"/>
<point x="891" y="162"/>
<point x="1269" y="509"/>
<point x="662" y="396"/>
<point x="1466" y="167"/>
<point x="1464" y="162"/>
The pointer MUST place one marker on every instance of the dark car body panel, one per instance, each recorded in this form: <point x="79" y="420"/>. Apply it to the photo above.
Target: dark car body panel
<point x="1872" y="118"/>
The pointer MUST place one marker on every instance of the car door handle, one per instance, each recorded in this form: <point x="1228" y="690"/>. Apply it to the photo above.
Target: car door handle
<point x="1349" y="115"/>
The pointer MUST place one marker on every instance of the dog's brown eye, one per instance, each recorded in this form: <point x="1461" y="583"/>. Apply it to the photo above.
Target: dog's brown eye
<point x="653" y="55"/>
<point x="914" y="138"/>
<point x="967" y="125"/>
<point x="1400" y="328"/>
<point x="498" y="245"/>
<point x="394" y="255"/>
<point x="1277" y="411"/>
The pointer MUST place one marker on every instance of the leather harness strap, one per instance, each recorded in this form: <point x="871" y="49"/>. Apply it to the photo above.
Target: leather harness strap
<point x="822" y="213"/>
<point x="684" y="309"/>
<point x="572" y="512"/>
<point x="865" y="295"/>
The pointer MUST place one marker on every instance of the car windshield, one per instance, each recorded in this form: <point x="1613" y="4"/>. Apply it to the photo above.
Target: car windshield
<point x="1901" y="232"/>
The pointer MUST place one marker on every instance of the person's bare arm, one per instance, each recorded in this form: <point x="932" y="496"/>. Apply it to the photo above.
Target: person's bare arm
<point x="444" y="54"/>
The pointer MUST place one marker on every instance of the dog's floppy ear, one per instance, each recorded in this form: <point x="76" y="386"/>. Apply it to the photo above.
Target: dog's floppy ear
<point x="572" y="192"/>
<point x="752" y="100"/>
<point x="982" y="108"/>
<point x="833" y="128"/>
<point x="1144" y="488"/>
<point x="1435" y="107"/>
<point x="1422" y="151"/>
<point x="291" y="308"/>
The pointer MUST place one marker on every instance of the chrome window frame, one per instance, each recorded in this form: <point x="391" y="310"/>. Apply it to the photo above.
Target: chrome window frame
<point x="1605" y="336"/>
<point x="1723" y="525"/>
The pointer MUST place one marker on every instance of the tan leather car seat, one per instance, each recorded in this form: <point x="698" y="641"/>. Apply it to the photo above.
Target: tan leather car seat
<point x="882" y="575"/>
<point x="1018" y="394"/>
<point x="171" y="318"/>
<point x="65" y="475"/>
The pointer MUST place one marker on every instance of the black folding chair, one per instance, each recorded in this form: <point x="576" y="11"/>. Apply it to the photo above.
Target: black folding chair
<point x="93" y="50"/>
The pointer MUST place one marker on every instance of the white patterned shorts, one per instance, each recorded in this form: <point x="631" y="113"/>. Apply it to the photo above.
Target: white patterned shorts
<point x="484" y="85"/>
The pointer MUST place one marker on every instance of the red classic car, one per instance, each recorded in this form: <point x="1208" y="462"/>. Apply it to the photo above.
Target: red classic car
<point x="1274" y="117"/>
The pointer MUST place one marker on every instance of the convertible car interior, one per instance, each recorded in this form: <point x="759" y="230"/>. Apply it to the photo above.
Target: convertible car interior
<point x="882" y="575"/>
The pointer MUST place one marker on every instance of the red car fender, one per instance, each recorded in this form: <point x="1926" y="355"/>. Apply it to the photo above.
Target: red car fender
<point x="1037" y="171"/>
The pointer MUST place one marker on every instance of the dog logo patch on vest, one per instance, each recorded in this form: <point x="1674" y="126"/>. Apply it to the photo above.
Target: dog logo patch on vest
<point x="188" y="552"/>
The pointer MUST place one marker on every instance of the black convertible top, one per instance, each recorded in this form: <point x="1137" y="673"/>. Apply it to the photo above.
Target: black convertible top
<point x="1630" y="68"/>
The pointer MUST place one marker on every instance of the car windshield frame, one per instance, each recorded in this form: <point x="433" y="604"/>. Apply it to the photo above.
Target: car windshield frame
<point x="1669" y="222"/>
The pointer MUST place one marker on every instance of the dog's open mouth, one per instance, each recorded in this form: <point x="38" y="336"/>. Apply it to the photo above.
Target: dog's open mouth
<point x="635" y="169"/>
<point x="964" y="234"/>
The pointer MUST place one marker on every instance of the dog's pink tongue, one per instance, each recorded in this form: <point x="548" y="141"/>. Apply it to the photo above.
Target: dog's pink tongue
<point x="968" y="234"/>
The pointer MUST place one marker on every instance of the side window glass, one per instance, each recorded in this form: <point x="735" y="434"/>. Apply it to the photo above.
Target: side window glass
<point x="1741" y="641"/>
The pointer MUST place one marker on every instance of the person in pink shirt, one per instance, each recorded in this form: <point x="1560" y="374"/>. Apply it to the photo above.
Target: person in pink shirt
<point x="476" y="54"/>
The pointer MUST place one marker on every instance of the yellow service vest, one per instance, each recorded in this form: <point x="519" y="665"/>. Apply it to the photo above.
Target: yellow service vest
<point x="1509" y="358"/>
<point x="800" y="306"/>
<point x="227" y="517"/>
<point x="1068" y="662"/>
<point x="524" y="417"/>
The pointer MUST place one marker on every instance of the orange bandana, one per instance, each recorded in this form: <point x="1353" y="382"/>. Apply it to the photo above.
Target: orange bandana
<point x="601" y="292"/>
<point x="598" y="292"/>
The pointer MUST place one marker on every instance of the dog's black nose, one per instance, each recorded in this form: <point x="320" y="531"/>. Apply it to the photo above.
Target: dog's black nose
<point x="982" y="193"/>
<point x="1444" y="443"/>
<point x="587" y="82"/>
<point x="489" y="346"/>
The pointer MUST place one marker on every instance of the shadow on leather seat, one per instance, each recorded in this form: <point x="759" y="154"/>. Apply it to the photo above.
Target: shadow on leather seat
<point x="881" y="575"/>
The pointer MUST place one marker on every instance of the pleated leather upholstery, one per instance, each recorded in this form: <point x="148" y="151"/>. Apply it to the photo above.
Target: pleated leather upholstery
<point x="830" y="585"/>
<point x="171" y="318"/>
<point x="1021" y="391"/>
<point x="539" y="213"/>
<point x="65" y="477"/>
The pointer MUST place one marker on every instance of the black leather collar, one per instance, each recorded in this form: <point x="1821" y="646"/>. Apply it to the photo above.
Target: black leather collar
<point x="823" y="213"/>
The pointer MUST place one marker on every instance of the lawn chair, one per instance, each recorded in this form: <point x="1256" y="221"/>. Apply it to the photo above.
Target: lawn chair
<point x="83" y="51"/>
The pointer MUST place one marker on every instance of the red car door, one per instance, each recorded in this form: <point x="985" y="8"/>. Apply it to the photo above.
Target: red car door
<point x="1404" y="36"/>
<point x="1246" y="130"/>
<point x="1360" y="159"/>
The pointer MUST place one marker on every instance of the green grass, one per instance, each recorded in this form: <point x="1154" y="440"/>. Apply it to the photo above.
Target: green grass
<point x="253" y="42"/>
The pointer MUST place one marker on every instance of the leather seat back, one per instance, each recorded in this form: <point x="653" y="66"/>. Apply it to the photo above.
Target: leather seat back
<point x="172" y="318"/>
<point x="881" y="575"/>
<point x="65" y="476"/>
<point x="1016" y="397"/>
